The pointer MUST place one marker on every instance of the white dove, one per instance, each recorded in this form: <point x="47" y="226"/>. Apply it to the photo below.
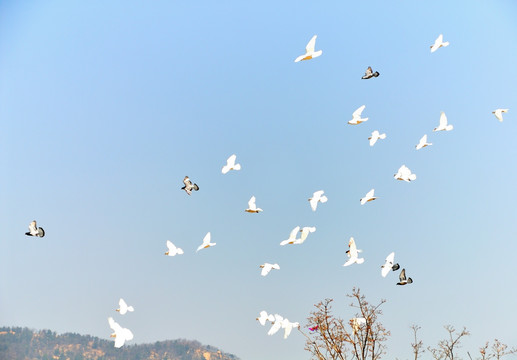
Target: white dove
<point x="288" y="326"/>
<point x="356" y="324"/>
<point x="405" y="174"/>
<point x="123" y="308"/>
<point x="266" y="268"/>
<point x="422" y="143"/>
<point x="376" y="136"/>
<point x="356" y="116"/>
<point x="120" y="334"/>
<point x="292" y="237"/>
<point x="353" y="253"/>
<point x="389" y="265"/>
<point x="252" y="208"/>
<point x="438" y="43"/>
<point x="368" y="197"/>
<point x="173" y="250"/>
<point x="277" y="324"/>
<point x="34" y="230"/>
<point x="309" y="51"/>
<point x="443" y="124"/>
<point x="305" y="232"/>
<point x="499" y="113"/>
<point x="264" y="316"/>
<point x="206" y="242"/>
<point x="230" y="164"/>
<point x="317" y="196"/>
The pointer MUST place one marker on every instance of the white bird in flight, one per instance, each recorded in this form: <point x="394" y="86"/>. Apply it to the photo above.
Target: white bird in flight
<point x="405" y="174"/>
<point x="499" y="113"/>
<point x="277" y="324"/>
<point x="305" y="232"/>
<point x="230" y="164"/>
<point x="288" y="327"/>
<point x="120" y="334"/>
<point x="356" y="116"/>
<point x="438" y="43"/>
<point x="356" y="324"/>
<point x="317" y="196"/>
<point x="309" y="51"/>
<point x="376" y="136"/>
<point x="368" y="197"/>
<point x="34" y="230"/>
<point x="173" y="250"/>
<point x="443" y="124"/>
<point x="123" y="308"/>
<point x="267" y="267"/>
<point x="206" y="242"/>
<point x="292" y="237"/>
<point x="422" y="143"/>
<point x="389" y="265"/>
<point x="264" y="316"/>
<point x="252" y="207"/>
<point x="352" y="253"/>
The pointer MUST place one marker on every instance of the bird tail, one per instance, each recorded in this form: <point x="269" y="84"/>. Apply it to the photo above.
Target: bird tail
<point x="195" y="187"/>
<point x="237" y="167"/>
<point x="41" y="232"/>
<point x="376" y="74"/>
<point x="412" y="177"/>
<point x="409" y="280"/>
<point x="360" y="260"/>
<point x="382" y="136"/>
<point x="395" y="267"/>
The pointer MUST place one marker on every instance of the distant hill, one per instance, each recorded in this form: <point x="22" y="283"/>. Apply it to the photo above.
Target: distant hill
<point x="25" y="344"/>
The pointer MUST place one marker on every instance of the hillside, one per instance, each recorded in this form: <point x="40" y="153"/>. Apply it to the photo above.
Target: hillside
<point x="25" y="344"/>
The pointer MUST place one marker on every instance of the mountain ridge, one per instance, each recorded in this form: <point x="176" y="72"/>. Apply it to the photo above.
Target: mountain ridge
<point x="17" y="343"/>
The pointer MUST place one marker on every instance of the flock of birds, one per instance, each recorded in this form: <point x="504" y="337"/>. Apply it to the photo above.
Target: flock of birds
<point x="279" y="322"/>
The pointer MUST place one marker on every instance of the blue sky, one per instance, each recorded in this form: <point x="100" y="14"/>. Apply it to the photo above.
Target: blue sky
<point x="105" y="107"/>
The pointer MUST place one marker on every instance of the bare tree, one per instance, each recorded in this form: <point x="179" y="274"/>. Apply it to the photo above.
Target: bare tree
<point x="418" y="344"/>
<point x="498" y="350"/>
<point x="445" y="348"/>
<point x="362" y="337"/>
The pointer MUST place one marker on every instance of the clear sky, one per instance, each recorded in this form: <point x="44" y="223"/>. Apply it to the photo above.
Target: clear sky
<point x="106" y="105"/>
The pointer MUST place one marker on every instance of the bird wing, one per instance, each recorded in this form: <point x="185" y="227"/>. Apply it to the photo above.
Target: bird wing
<point x="251" y="203"/>
<point x="32" y="228"/>
<point x="206" y="239"/>
<point x="231" y="160"/>
<point x="265" y="269"/>
<point x="370" y="193"/>
<point x="293" y="233"/>
<point x="443" y="120"/>
<point x="358" y="112"/>
<point x="311" y="45"/>
<point x="187" y="181"/>
<point x="352" y="246"/>
<point x="123" y="305"/>
<point x="112" y="323"/>
<point x="369" y="71"/>
<point x="171" y="246"/>
<point x="402" y="275"/>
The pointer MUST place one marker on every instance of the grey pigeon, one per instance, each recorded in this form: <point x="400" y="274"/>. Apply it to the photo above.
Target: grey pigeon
<point x="402" y="278"/>
<point x="34" y="230"/>
<point x="369" y="73"/>
<point x="189" y="186"/>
